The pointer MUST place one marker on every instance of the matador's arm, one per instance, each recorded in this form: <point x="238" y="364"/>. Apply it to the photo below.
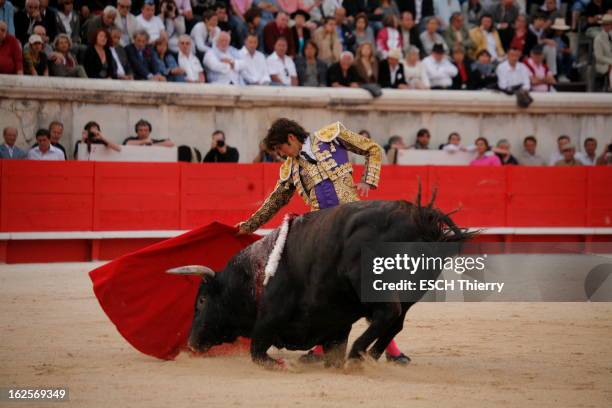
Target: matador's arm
<point x="363" y="146"/>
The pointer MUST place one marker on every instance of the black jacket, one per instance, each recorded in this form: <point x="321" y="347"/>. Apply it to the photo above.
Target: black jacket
<point x="230" y="156"/>
<point x="384" y="75"/>
<point x="427" y="8"/>
<point x="141" y="66"/>
<point x="93" y="64"/>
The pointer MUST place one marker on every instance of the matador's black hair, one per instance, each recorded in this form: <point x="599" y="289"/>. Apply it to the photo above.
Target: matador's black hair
<point x="280" y="130"/>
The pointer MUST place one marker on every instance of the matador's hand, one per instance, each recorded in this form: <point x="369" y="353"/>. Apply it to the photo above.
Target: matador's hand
<point x="241" y="230"/>
<point x="363" y="189"/>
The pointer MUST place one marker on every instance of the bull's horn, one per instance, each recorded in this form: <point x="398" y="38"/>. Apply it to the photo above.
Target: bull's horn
<point x="192" y="270"/>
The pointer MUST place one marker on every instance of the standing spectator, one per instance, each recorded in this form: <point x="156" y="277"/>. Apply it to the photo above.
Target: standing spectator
<point x="541" y="78"/>
<point x="440" y="70"/>
<point x="464" y="67"/>
<point x="504" y="14"/>
<point x="11" y="58"/>
<point x="26" y="19"/>
<point x="565" y="59"/>
<point x="66" y="66"/>
<point x="125" y="21"/>
<point x="589" y="156"/>
<point x="503" y="153"/>
<point x="538" y="28"/>
<point x="430" y="36"/>
<point x="205" y="33"/>
<point x="484" y="157"/>
<point x="221" y="64"/>
<point x="254" y="67"/>
<point x="174" y="24"/>
<point x="328" y="43"/>
<point x="444" y="9"/>
<point x="120" y="58"/>
<point x="343" y="29"/>
<point x="92" y="134"/>
<point x="56" y="131"/>
<point x="219" y="151"/>
<point x="485" y="37"/>
<point x="148" y="21"/>
<point x="568" y="151"/>
<point x="453" y="144"/>
<point x="366" y="63"/>
<point x="310" y="69"/>
<point x="300" y="34"/>
<point x="422" y="140"/>
<point x="44" y="150"/>
<point x="193" y="70"/>
<point x="472" y="11"/>
<point x="389" y="37"/>
<point x="276" y="29"/>
<point x="391" y="72"/>
<point x="420" y="9"/>
<point x="143" y="131"/>
<point x="558" y="155"/>
<point x="280" y="66"/>
<point x="8" y="150"/>
<point x="98" y="60"/>
<point x="327" y="8"/>
<point x="602" y="50"/>
<point x="482" y="72"/>
<point x="416" y="75"/>
<point x="48" y="18"/>
<point x="343" y="73"/>
<point x="237" y="17"/>
<point x="522" y="38"/>
<point x="512" y="74"/>
<point x="35" y="61"/>
<point x="164" y="62"/>
<point x="104" y="21"/>
<point x="7" y="15"/>
<point x="457" y="35"/>
<point x="363" y="33"/>
<point x="529" y="157"/>
<point x="409" y="33"/>
<point x="140" y="56"/>
<point x="68" y="21"/>
<point x="394" y="145"/>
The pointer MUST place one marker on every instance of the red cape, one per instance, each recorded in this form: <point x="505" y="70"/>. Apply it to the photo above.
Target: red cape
<point x="151" y="309"/>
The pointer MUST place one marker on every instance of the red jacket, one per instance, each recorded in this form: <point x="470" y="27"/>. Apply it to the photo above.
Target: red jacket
<point x="11" y="57"/>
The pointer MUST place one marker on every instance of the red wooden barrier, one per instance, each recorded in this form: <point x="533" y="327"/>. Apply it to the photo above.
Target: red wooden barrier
<point x="599" y="197"/>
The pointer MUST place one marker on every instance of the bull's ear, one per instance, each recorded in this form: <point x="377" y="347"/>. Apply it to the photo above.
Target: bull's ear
<point x="200" y="270"/>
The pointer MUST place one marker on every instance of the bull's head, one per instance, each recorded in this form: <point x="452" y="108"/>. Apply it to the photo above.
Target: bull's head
<point x="212" y="321"/>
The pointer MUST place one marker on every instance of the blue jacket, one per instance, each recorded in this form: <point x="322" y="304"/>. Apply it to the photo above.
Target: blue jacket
<point x="141" y="63"/>
<point x="7" y="14"/>
<point x="165" y="65"/>
<point x="17" y="153"/>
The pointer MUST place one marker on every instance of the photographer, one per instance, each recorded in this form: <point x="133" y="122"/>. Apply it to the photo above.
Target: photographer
<point x="92" y="134"/>
<point x="219" y="151"/>
<point x="174" y="24"/>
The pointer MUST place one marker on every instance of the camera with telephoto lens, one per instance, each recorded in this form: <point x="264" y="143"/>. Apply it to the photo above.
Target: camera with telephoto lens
<point x="91" y="136"/>
<point x="220" y="143"/>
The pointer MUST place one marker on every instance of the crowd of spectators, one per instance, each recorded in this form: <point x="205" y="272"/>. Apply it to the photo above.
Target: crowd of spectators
<point x="404" y="44"/>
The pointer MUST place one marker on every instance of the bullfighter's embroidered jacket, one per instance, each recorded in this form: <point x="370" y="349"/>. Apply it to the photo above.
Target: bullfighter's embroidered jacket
<point x="325" y="180"/>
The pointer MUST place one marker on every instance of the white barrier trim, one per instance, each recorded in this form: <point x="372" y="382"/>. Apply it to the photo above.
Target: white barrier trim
<point x="54" y="235"/>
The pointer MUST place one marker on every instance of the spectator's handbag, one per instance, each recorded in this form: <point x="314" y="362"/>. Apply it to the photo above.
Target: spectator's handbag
<point x="523" y="99"/>
<point x="373" y="89"/>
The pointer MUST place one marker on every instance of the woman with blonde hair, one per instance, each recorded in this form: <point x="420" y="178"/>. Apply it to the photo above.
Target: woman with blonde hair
<point x="366" y="63"/>
<point x="414" y="71"/>
<point x="66" y="66"/>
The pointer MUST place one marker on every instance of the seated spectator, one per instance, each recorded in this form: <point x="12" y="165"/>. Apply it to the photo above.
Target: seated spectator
<point x="267" y="9"/>
<point x="439" y="69"/>
<point x="457" y="35"/>
<point x="444" y="10"/>
<point x="300" y="34"/>
<point x="165" y="63"/>
<point x="565" y="58"/>
<point x="391" y="72"/>
<point x="344" y="29"/>
<point x="485" y="157"/>
<point x="328" y="42"/>
<point x="589" y="156"/>
<point x="140" y="56"/>
<point x="219" y="151"/>
<point x="266" y="156"/>
<point x="188" y="62"/>
<point x="92" y="134"/>
<point x="568" y="151"/>
<point x="464" y="66"/>
<point x="275" y="30"/>
<point x="120" y="58"/>
<point x="68" y="22"/>
<point x="541" y="78"/>
<point x="394" y="145"/>
<point x="223" y="17"/>
<point x="388" y="38"/>
<point x="143" y="131"/>
<point x="529" y="157"/>
<point x="280" y="66"/>
<point x="98" y="60"/>
<point x="325" y="9"/>
<point x="595" y="11"/>
<point x="550" y="10"/>
<point x="11" y="57"/>
<point x="56" y="131"/>
<point x="254" y="67"/>
<point x="485" y="37"/>
<point x="605" y="159"/>
<point x="238" y="21"/>
<point x="310" y="69"/>
<point x="205" y="33"/>
<point x="174" y="24"/>
<point x="388" y="8"/>
<point x="254" y="25"/>
<point x="8" y="150"/>
<point x="126" y="22"/>
<point x="539" y="28"/>
<point x="366" y="63"/>
<point x="522" y="37"/>
<point x="25" y="19"/>
<point x="7" y="16"/>
<point x="66" y="66"/>
<point x="504" y="13"/>
<point x="422" y="140"/>
<point x="512" y="74"/>
<point x="148" y="21"/>
<point x="430" y="37"/>
<point x="52" y="55"/>
<point x="482" y="72"/>
<point x="221" y="63"/>
<point x="189" y="154"/>
<point x="602" y="51"/>
<point x="409" y="33"/>
<point x="363" y="33"/>
<point x="558" y="154"/>
<point x="44" y="150"/>
<point x="453" y="144"/>
<point x="502" y="151"/>
<point x="416" y="75"/>
<point x="105" y="21"/>
<point x="472" y="11"/>
<point x="35" y="61"/>
<point x="343" y="73"/>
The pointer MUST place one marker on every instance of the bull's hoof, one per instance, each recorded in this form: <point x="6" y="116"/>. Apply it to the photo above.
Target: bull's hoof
<point x="311" y="357"/>
<point x="272" y="364"/>
<point x="353" y="365"/>
<point x="402" y="359"/>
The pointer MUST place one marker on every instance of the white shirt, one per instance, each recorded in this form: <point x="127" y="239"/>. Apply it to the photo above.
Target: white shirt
<point x="538" y="71"/>
<point x="191" y="65"/>
<point x="439" y="73"/>
<point x="52" y="154"/>
<point x="219" y="72"/>
<point x="254" y="69"/>
<point x="443" y="9"/>
<point x="415" y="74"/>
<point x="65" y="19"/>
<point x="584" y="158"/>
<point x="418" y="6"/>
<point x="491" y="44"/>
<point x="120" y="70"/>
<point x="201" y="38"/>
<point x="285" y="68"/>
<point x="153" y="27"/>
<point x="507" y="77"/>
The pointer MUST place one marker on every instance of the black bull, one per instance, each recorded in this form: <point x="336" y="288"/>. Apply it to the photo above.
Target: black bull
<point x="313" y="298"/>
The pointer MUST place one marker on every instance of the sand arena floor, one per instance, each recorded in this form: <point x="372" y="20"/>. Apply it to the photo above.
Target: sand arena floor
<point x="464" y="355"/>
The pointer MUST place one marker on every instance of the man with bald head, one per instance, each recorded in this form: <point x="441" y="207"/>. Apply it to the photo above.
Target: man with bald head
<point x="8" y="150"/>
<point x="221" y="62"/>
